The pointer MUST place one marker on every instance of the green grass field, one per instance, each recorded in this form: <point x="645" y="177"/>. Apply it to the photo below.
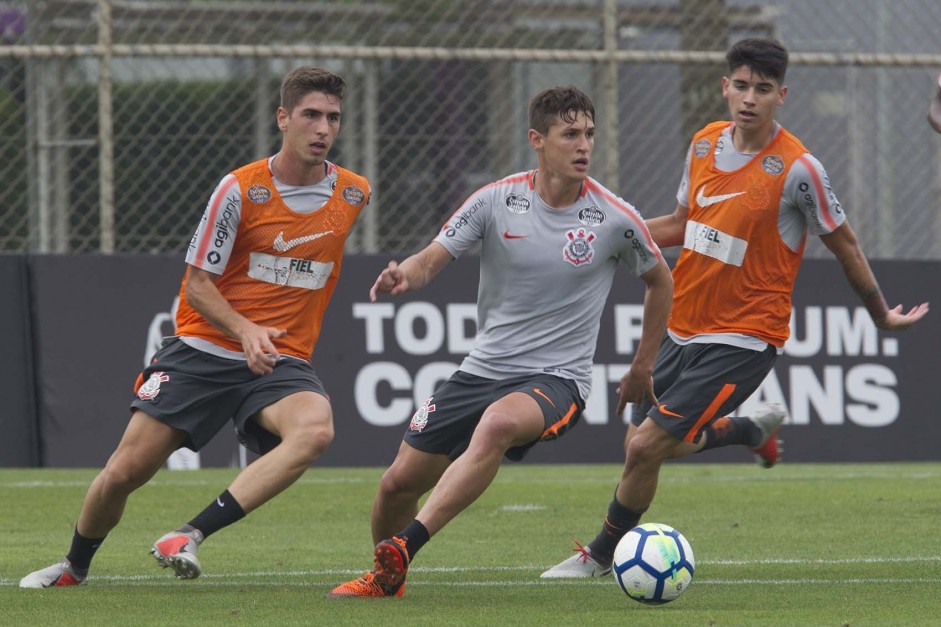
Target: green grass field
<point x="841" y="545"/>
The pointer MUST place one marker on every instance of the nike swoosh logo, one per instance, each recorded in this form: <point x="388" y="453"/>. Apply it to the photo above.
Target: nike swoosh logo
<point x="542" y="394"/>
<point x="663" y="410"/>
<point x="705" y="201"/>
<point x="283" y="246"/>
<point x="219" y="502"/>
<point x="508" y="235"/>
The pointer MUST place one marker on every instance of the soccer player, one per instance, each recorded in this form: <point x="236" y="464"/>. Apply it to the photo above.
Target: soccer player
<point x="550" y="239"/>
<point x="934" y="109"/>
<point x="750" y="193"/>
<point x="262" y="267"/>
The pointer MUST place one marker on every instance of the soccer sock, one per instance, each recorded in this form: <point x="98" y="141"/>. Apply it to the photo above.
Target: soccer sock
<point x="415" y="536"/>
<point x="731" y="430"/>
<point x="82" y="551"/>
<point x="618" y="522"/>
<point x="222" y="512"/>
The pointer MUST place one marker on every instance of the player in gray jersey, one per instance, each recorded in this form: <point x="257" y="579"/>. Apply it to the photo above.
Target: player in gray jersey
<point x="551" y="240"/>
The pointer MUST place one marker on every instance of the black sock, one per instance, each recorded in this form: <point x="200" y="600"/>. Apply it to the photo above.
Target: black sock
<point x="617" y="523"/>
<point x="731" y="430"/>
<point x="82" y="551"/>
<point x="415" y="536"/>
<point x="222" y="512"/>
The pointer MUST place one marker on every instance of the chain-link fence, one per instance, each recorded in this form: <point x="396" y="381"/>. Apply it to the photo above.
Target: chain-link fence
<point x="117" y="118"/>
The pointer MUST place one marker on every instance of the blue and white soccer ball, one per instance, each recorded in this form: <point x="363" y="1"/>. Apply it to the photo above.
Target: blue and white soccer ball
<point x="653" y="563"/>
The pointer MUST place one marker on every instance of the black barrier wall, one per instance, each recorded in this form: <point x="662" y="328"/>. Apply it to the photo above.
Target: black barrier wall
<point x="854" y="394"/>
<point x="19" y="442"/>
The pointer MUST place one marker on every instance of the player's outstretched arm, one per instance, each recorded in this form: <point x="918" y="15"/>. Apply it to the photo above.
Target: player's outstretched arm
<point x="413" y="273"/>
<point x="843" y="244"/>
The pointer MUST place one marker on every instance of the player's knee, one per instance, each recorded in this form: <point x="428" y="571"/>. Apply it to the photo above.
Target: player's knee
<point x="644" y="450"/>
<point x="124" y="474"/>
<point x="499" y="430"/>
<point x="312" y="439"/>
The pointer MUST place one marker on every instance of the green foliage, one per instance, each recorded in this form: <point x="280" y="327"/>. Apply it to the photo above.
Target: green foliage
<point x="837" y="545"/>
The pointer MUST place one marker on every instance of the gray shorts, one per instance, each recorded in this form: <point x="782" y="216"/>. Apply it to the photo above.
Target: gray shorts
<point x="445" y="422"/>
<point x="698" y="383"/>
<point x="199" y="393"/>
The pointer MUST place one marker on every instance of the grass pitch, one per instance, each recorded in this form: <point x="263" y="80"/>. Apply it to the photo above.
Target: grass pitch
<point x="841" y="545"/>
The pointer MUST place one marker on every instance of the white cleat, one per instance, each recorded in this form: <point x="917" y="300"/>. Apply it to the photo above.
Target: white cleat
<point x="56" y="576"/>
<point x="579" y="566"/>
<point x="178" y="551"/>
<point x="769" y="419"/>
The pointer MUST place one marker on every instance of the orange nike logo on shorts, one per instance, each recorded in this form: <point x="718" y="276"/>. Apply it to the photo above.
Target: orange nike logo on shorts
<point x="540" y="393"/>
<point x="663" y="410"/>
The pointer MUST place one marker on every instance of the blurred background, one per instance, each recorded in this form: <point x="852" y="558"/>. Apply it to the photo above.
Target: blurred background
<point x="117" y="118"/>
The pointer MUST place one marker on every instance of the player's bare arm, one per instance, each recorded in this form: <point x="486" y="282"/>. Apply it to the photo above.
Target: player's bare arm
<point x="203" y="295"/>
<point x="669" y="230"/>
<point x="843" y="244"/>
<point x="637" y="383"/>
<point x="413" y="273"/>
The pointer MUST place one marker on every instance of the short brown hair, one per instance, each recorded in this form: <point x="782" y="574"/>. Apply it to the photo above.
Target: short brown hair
<point x="305" y="79"/>
<point x="767" y="57"/>
<point x="558" y="102"/>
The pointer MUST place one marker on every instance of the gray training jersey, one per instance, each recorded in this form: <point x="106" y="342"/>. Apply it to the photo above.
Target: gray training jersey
<point x="544" y="274"/>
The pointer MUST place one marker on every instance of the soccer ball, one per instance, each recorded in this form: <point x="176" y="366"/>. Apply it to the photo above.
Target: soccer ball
<point x="653" y="563"/>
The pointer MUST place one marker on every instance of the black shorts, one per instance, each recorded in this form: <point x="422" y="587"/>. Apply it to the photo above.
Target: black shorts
<point x="698" y="383"/>
<point x="446" y="421"/>
<point x="197" y="392"/>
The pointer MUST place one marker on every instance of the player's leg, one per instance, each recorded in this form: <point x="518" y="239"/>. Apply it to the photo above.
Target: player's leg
<point x="304" y="423"/>
<point x="412" y="474"/>
<point x="514" y="420"/>
<point x="296" y="429"/>
<point x="142" y="451"/>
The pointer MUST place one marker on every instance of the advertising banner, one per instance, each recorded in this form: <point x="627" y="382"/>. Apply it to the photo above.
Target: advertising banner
<point x="854" y="393"/>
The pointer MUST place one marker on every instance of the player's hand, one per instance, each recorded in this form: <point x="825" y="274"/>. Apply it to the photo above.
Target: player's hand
<point x="260" y="353"/>
<point x="635" y="387"/>
<point x="391" y="280"/>
<point x="895" y="320"/>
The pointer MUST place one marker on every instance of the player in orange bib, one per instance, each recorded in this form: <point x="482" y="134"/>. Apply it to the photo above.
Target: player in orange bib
<point x="260" y="272"/>
<point x="750" y="194"/>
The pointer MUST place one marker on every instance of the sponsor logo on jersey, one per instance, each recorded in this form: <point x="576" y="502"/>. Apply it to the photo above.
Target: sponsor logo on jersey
<point x="591" y="216"/>
<point x="701" y="148"/>
<point x="638" y="247"/>
<point x="508" y="235"/>
<point x="258" y="194"/>
<point x="517" y="203"/>
<point x="720" y="146"/>
<point x="578" y="250"/>
<point x="289" y="271"/>
<point x="773" y="164"/>
<point x="704" y="201"/>
<point x="706" y="240"/>
<point x="151" y="388"/>
<point x="451" y="229"/>
<point x="213" y="257"/>
<point x="354" y="195"/>
<point x="282" y="246"/>
<point x="420" y="417"/>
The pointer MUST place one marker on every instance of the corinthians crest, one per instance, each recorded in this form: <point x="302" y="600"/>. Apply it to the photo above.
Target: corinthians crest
<point x="420" y="418"/>
<point x="578" y="248"/>
<point x="151" y="387"/>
